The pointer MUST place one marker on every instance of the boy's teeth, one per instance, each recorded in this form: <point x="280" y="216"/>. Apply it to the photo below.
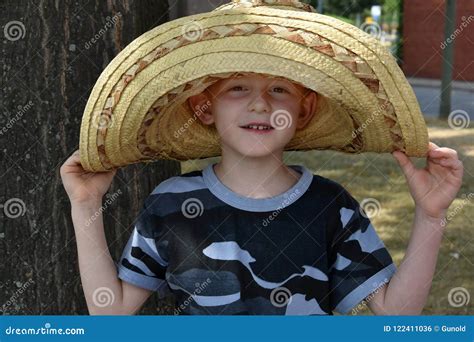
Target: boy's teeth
<point x="258" y="127"/>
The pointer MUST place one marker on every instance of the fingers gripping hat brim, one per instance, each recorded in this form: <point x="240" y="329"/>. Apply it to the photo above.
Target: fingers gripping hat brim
<point x="138" y="109"/>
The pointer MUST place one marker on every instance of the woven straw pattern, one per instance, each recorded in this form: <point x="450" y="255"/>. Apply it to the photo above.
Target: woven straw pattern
<point x="359" y="67"/>
<point x="276" y="3"/>
<point x="347" y="58"/>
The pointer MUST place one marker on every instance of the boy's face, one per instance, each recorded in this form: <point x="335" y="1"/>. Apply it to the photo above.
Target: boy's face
<point x="253" y="98"/>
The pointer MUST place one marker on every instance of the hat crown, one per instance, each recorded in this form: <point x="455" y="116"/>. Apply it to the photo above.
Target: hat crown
<point x="296" y="4"/>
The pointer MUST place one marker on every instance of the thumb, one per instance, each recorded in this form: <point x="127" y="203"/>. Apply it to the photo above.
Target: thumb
<point x="405" y="163"/>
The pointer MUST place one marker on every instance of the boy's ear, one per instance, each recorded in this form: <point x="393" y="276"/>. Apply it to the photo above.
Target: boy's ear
<point x="308" y="109"/>
<point x="201" y="106"/>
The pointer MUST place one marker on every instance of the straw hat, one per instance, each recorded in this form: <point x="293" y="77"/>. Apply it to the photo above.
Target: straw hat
<point x="138" y="109"/>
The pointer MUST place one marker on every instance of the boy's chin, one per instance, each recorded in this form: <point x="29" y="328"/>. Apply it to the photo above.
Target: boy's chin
<point x="259" y="152"/>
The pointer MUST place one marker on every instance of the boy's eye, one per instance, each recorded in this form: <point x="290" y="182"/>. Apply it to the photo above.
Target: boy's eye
<point x="236" y="87"/>
<point x="283" y="89"/>
<point x="278" y="89"/>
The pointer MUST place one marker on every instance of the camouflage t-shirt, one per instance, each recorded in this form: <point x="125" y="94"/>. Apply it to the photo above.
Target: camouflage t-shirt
<point x="309" y="251"/>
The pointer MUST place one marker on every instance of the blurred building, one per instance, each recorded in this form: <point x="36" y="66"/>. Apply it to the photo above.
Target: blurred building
<point x="424" y="39"/>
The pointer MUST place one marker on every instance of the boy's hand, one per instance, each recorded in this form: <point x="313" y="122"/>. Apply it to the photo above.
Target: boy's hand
<point x="435" y="186"/>
<point x="82" y="186"/>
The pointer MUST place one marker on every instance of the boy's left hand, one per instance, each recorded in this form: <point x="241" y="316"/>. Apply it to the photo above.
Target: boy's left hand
<point x="435" y="186"/>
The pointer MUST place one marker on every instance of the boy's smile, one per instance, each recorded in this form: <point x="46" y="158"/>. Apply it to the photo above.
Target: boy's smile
<point x="256" y="115"/>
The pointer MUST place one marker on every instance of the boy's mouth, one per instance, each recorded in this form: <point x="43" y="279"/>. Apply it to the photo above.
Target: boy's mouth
<point x="258" y="127"/>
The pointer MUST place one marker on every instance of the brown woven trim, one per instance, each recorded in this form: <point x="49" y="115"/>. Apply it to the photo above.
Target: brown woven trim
<point x="344" y="56"/>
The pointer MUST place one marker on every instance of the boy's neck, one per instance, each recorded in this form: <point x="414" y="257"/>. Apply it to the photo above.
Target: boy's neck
<point x="260" y="177"/>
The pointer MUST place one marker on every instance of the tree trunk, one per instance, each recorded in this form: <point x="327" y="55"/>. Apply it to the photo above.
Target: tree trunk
<point x="52" y="53"/>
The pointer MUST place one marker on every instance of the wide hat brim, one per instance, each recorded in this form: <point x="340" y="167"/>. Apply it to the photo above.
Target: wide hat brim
<point x="137" y="111"/>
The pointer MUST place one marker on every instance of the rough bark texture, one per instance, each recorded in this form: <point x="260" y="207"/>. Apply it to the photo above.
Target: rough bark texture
<point x="50" y="61"/>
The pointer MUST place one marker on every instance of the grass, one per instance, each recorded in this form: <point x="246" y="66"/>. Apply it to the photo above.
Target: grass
<point x="378" y="176"/>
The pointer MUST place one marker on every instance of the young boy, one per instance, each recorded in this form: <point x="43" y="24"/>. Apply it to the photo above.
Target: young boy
<point x="251" y="235"/>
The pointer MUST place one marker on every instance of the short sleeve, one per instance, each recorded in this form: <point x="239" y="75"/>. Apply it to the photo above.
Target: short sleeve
<point x="144" y="259"/>
<point x="360" y="263"/>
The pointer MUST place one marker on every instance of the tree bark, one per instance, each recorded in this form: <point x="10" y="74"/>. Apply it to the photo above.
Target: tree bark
<point x="52" y="53"/>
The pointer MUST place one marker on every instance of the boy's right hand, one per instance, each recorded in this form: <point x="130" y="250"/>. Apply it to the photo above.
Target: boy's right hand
<point x="83" y="186"/>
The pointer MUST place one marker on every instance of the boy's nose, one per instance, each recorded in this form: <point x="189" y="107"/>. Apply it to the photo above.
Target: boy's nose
<point x="260" y="103"/>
